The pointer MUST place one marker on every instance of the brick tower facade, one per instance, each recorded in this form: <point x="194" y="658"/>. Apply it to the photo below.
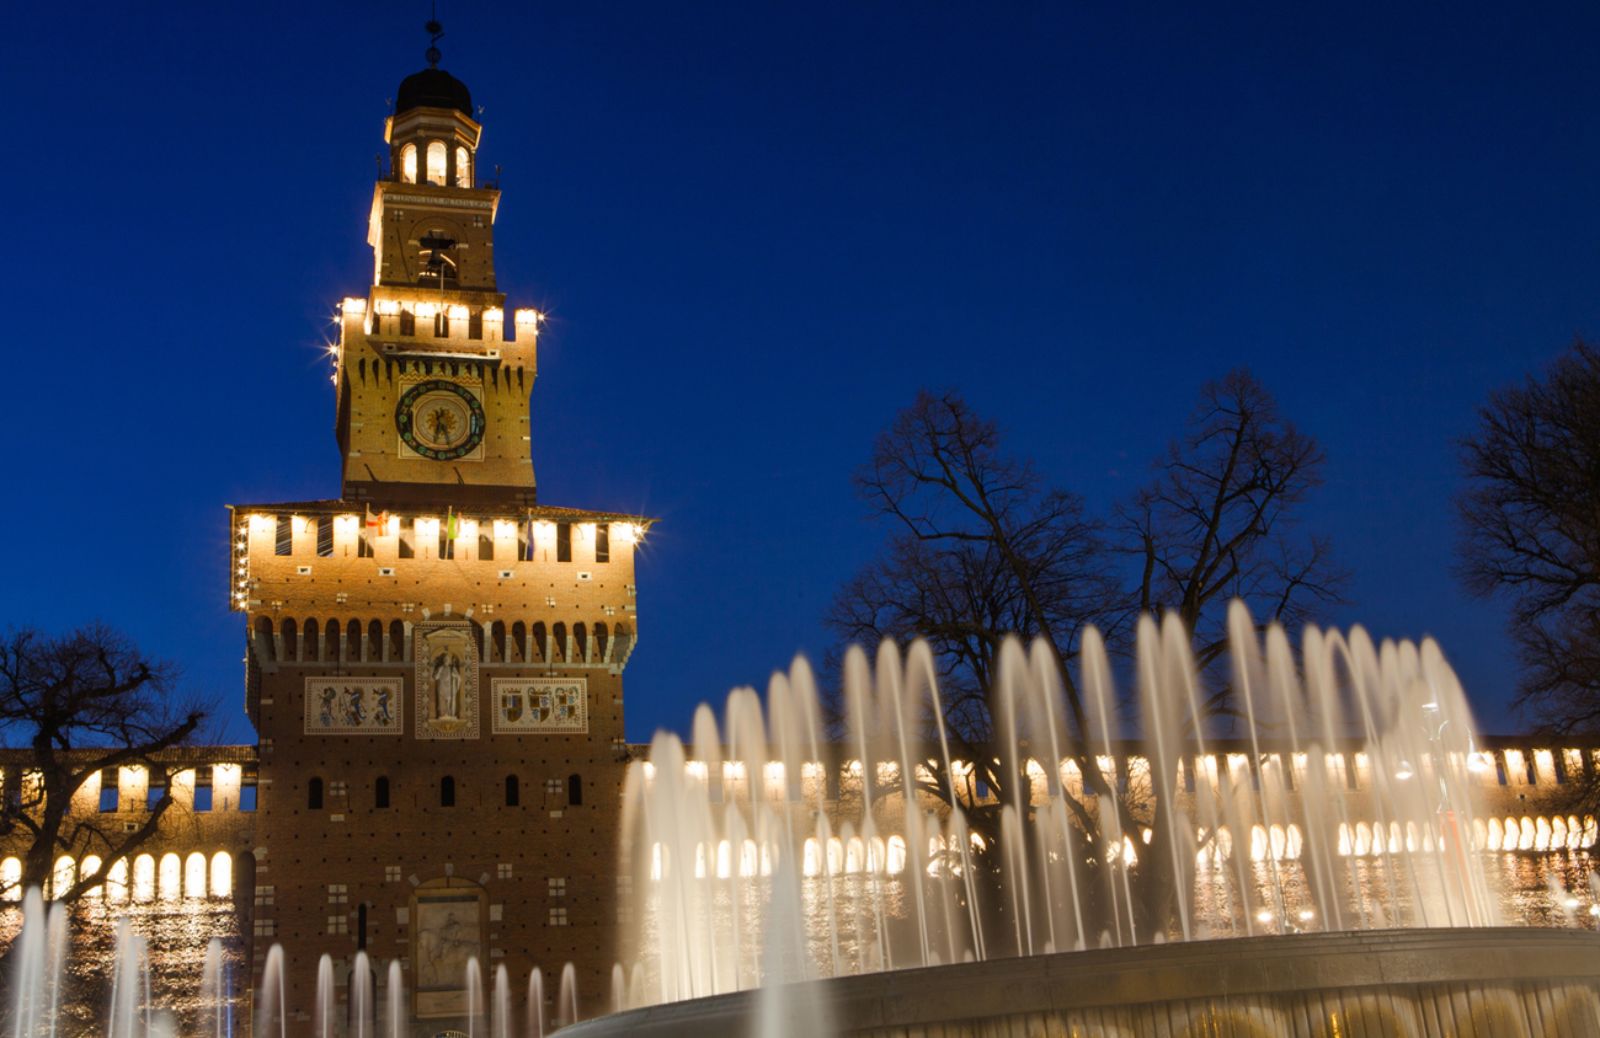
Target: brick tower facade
<point x="435" y="659"/>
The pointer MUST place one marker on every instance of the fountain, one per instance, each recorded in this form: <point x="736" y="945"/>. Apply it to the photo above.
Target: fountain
<point x="1081" y="870"/>
<point x="860" y="868"/>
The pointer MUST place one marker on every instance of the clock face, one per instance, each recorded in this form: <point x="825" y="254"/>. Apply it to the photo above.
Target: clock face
<point x="440" y="420"/>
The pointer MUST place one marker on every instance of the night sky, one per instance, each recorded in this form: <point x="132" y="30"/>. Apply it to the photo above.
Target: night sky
<point x="758" y="229"/>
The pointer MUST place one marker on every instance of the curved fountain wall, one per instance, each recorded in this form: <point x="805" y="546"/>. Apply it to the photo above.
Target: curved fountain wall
<point x="1449" y="983"/>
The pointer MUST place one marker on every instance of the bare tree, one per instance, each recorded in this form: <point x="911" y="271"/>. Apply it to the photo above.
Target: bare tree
<point x="980" y="548"/>
<point x="1531" y="532"/>
<point x="82" y="703"/>
<point x="1218" y="522"/>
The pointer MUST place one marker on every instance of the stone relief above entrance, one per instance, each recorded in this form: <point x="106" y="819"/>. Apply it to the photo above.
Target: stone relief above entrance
<point x="341" y="706"/>
<point x="540" y="705"/>
<point x="446" y="680"/>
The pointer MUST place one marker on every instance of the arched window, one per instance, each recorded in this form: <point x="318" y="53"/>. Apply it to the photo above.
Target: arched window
<point x="463" y="168"/>
<point x="408" y="163"/>
<point x="396" y="649"/>
<point x="513" y="791"/>
<point x="373" y="648"/>
<point x="575" y="790"/>
<point x="436" y="157"/>
<point x="264" y="647"/>
<point x="519" y="642"/>
<point x="352" y="641"/>
<point x="580" y="640"/>
<point x="447" y="791"/>
<point x="291" y="641"/>
<point x="314" y="794"/>
<point x="380" y="792"/>
<point x="312" y="645"/>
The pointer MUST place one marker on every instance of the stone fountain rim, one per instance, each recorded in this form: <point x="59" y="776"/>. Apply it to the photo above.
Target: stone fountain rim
<point x="1075" y="980"/>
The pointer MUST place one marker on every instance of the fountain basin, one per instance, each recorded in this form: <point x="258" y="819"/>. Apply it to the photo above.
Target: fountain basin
<point x="1450" y="983"/>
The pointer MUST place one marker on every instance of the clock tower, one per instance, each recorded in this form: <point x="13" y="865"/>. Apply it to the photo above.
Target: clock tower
<point x="433" y="379"/>
<point x="435" y="656"/>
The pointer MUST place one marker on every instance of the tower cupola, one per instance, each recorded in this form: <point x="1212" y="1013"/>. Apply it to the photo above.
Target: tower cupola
<point x="432" y="136"/>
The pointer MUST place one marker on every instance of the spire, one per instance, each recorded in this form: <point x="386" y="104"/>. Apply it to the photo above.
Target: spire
<point x="435" y="33"/>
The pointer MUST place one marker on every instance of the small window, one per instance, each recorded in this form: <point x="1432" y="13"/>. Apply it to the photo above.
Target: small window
<point x="485" y="542"/>
<point x="563" y="542"/>
<point x="602" y="543"/>
<point x="525" y="541"/>
<point x="364" y="545"/>
<point x="513" y="792"/>
<point x="408" y="323"/>
<point x="284" y="545"/>
<point x="1532" y="768"/>
<point x="1500" y="770"/>
<point x="436" y="158"/>
<point x="575" y="790"/>
<point x="447" y="791"/>
<point x="314" y="794"/>
<point x="475" y="325"/>
<point x="441" y="324"/>
<point x="380" y="792"/>
<point x="109" y="794"/>
<point x="1561" y="768"/>
<point x="407" y="550"/>
<point x="202" y="789"/>
<point x="463" y="168"/>
<point x="408" y="164"/>
<point x="247" y="789"/>
<point x="325" y="537"/>
<point x="156" y="791"/>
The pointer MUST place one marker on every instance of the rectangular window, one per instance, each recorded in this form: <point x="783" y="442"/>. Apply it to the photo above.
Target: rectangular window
<point x="202" y="789"/>
<point x="1500" y="770"/>
<point x="248" y="787"/>
<point x="265" y="927"/>
<point x="558" y="917"/>
<point x="407" y="550"/>
<point x="391" y="873"/>
<point x="563" y="542"/>
<point x="408" y="323"/>
<point x="557" y="886"/>
<point x="441" y="324"/>
<point x="265" y="895"/>
<point x="338" y="894"/>
<point x="602" y="542"/>
<point x="1560" y="761"/>
<point x="338" y="924"/>
<point x="524" y="546"/>
<point x="475" y="325"/>
<point x="109" y="794"/>
<point x="485" y="543"/>
<point x="325" y="536"/>
<point x="364" y="545"/>
<point x="503" y="870"/>
<point x="284" y="545"/>
<point x="157" y="790"/>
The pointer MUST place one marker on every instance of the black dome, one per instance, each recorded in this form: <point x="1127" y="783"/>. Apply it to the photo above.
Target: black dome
<point x="433" y="88"/>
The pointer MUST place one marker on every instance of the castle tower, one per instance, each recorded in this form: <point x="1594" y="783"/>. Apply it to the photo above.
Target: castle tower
<point x="435" y="659"/>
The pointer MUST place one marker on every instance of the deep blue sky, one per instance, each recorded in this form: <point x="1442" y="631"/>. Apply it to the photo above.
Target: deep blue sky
<point x="758" y="229"/>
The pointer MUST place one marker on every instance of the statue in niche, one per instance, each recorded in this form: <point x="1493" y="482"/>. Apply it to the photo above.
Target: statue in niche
<point x="447" y="678"/>
<point x="446" y="682"/>
<point x="382" y="714"/>
<point x="329" y="698"/>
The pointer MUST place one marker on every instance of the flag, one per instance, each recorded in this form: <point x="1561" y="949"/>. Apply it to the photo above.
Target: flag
<point x="452" y="523"/>
<point x="372" y="520"/>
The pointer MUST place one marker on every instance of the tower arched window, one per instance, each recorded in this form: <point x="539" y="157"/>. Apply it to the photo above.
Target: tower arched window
<point x="463" y="168"/>
<point x="513" y="791"/>
<point x="380" y="792"/>
<point x="314" y="794"/>
<point x="436" y="161"/>
<point x="447" y="791"/>
<point x="408" y="164"/>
